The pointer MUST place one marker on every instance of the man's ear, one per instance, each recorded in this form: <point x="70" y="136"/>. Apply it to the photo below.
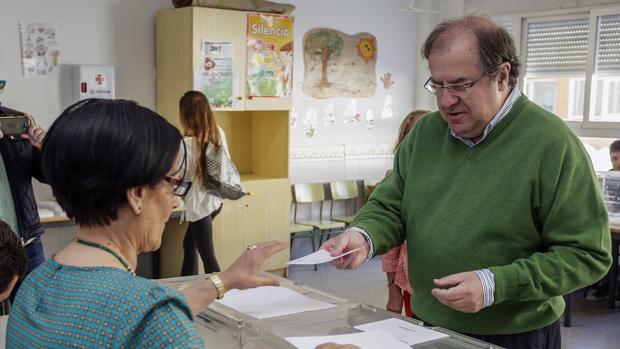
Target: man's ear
<point x="135" y="196"/>
<point x="504" y="76"/>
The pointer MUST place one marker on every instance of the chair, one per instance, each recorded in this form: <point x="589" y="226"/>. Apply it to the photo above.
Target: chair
<point x="302" y="230"/>
<point x="309" y="193"/>
<point x="342" y="191"/>
<point x="369" y="186"/>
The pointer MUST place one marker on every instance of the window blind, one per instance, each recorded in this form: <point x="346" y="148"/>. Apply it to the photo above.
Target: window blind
<point x="608" y="44"/>
<point x="558" y="46"/>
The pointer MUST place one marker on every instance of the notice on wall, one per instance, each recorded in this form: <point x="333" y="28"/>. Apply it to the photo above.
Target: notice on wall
<point x="40" y="51"/>
<point x="270" y="55"/>
<point x="215" y="78"/>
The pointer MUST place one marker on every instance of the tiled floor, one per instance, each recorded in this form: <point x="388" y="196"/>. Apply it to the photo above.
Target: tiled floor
<point x="594" y="327"/>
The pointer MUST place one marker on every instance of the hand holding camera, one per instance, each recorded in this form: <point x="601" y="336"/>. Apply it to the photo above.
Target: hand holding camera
<point x="25" y="126"/>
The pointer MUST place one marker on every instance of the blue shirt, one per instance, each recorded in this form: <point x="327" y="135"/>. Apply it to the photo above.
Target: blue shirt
<point x="97" y="307"/>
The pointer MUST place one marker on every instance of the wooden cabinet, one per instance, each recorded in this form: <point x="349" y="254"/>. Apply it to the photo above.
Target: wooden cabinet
<point x="256" y="129"/>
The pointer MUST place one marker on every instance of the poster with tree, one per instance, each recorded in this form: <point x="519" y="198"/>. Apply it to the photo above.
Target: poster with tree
<point x="339" y="65"/>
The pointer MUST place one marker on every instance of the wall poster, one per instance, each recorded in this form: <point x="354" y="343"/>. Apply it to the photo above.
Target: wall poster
<point x="270" y="55"/>
<point x="339" y="65"/>
<point x="215" y="77"/>
<point x="40" y="52"/>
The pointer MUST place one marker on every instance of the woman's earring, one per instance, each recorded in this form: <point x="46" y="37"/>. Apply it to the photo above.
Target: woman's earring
<point x="139" y="209"/>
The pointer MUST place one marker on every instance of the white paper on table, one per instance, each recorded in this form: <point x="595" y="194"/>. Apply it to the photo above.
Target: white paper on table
<point x="365" y="340"/>
<point x="403" y="331"/>
<point x="270" y="301"/>
<point x="319" y="257"/>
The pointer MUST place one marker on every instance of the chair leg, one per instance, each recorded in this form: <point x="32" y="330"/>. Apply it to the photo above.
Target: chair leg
<point x="313" y="239"/>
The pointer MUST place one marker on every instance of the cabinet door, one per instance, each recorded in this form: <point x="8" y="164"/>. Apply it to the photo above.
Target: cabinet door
<point x="227" y="26"/>
<point x="256" y="218"/>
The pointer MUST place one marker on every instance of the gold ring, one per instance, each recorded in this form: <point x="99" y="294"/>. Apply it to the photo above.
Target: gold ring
<point x="251" y="247"/>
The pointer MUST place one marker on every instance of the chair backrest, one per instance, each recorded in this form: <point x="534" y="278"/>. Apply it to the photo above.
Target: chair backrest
<point x="343" y="190"/>
<point x="309" y="192"/>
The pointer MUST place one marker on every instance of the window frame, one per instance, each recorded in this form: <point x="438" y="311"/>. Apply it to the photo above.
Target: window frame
<point x="520" y="21"/>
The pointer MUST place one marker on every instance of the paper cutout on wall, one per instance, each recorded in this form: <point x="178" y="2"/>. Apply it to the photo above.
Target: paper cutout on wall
<point x="369" y="121"/>
<point x="350" y="114"/>
<point x="40" y="51"/>
<point x="387" y="81"/>
<point x="292" y="117"/>
<point x="339" y="65"/>
<point x="387" y="112"/>
<point x="310" y="120"/>
<point x="329" y="119"/>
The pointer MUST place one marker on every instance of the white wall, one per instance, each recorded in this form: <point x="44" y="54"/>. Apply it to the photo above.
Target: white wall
<point x="113" y="32"/>
<point x="399" y="36"/>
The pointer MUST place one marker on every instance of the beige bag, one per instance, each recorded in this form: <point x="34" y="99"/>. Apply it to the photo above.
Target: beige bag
<point x="243" y="5"/>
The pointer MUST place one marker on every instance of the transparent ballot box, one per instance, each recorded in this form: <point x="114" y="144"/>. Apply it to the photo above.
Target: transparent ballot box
<point x="224" y="327"/>
<point x="610" y="189"/>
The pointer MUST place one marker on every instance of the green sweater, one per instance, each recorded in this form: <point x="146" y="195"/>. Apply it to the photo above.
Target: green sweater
<point x="524" y="203"/>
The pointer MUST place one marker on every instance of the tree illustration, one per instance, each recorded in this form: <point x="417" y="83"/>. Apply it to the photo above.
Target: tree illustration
<point x="323" y="45"/>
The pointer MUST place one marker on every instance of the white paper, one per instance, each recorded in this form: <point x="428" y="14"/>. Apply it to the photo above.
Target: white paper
<point x="403" y="331"/>
<point x="318" y="257"/>
<point x="270" y="301"/>
<point x="365" y="340"/>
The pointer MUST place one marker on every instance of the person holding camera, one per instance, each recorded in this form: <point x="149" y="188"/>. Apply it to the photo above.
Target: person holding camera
<point x="19" y="163"/>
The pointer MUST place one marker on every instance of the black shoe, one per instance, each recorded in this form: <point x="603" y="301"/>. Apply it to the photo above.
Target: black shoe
<point x="599" y="294"/>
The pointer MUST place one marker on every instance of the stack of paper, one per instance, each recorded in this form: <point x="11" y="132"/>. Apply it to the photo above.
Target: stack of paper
<point x="365" y="340"/>
<point x="270" y="301"/>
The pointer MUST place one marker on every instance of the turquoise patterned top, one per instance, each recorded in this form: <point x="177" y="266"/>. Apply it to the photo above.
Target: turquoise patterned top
<point x="97" y="307"/>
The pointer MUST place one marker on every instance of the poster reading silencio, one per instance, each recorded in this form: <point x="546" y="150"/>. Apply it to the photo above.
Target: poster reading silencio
<point x="270" y="55"/>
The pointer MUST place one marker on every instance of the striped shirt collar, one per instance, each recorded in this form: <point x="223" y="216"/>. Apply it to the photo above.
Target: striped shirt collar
<point x="501" y="113"/>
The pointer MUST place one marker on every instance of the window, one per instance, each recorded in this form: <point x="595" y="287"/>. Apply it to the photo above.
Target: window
<point x="555" y="57"/>
<point x="571" y="65"/>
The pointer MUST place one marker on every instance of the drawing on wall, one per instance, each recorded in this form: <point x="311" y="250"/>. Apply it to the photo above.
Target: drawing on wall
<point x="369" y="121"/>
<point x="40" y="52"/>
<point x="339" y="65"/>
<point x="387" y="81"/>
<point x="350" y="113"/>
<point x="292" y="117"/>
<point x="310" y="120"/>
<point x="270" y="55"/>
<point x="329" y="119"/>
<point x="387" y="112"/>
<point x="215" y="78"/>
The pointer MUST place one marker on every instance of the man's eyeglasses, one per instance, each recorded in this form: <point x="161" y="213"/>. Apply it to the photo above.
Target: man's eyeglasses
<point x="180" y="186"/>
<point x="455" y="89"/>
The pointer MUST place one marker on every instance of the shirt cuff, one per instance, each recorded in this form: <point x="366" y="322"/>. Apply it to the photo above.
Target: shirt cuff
<point x="368" y="240"/>
<point x="488" y="286"/>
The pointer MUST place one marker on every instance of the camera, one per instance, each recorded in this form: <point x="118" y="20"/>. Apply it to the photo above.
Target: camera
<point x="14" y="125"/>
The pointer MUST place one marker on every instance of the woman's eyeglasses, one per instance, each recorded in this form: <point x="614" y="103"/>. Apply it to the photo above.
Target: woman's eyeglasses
<point x="180" y="186"/>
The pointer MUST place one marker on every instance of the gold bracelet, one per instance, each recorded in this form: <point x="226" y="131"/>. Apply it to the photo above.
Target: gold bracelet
<point x="219" y="285"/>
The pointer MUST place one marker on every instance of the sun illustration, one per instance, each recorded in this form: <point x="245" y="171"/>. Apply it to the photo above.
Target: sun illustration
<point x="366" y="49"/>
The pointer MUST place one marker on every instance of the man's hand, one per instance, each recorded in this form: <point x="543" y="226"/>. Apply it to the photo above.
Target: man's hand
<point x="462" y="292"/>
<point x="347" y="241"/>
<point x="35" y="133"/>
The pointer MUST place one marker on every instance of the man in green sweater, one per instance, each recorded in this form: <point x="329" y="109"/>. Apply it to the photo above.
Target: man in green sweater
<point x="496" y="198"/>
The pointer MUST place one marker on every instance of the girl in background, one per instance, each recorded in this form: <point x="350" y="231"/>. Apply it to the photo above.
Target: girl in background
<point x="201" y="206"/>
<point x="394" y="262"/>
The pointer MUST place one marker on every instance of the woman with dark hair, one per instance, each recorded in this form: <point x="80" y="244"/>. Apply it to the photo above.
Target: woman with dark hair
<point x="201" y="206"/>
<point x="116" y="168"/>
